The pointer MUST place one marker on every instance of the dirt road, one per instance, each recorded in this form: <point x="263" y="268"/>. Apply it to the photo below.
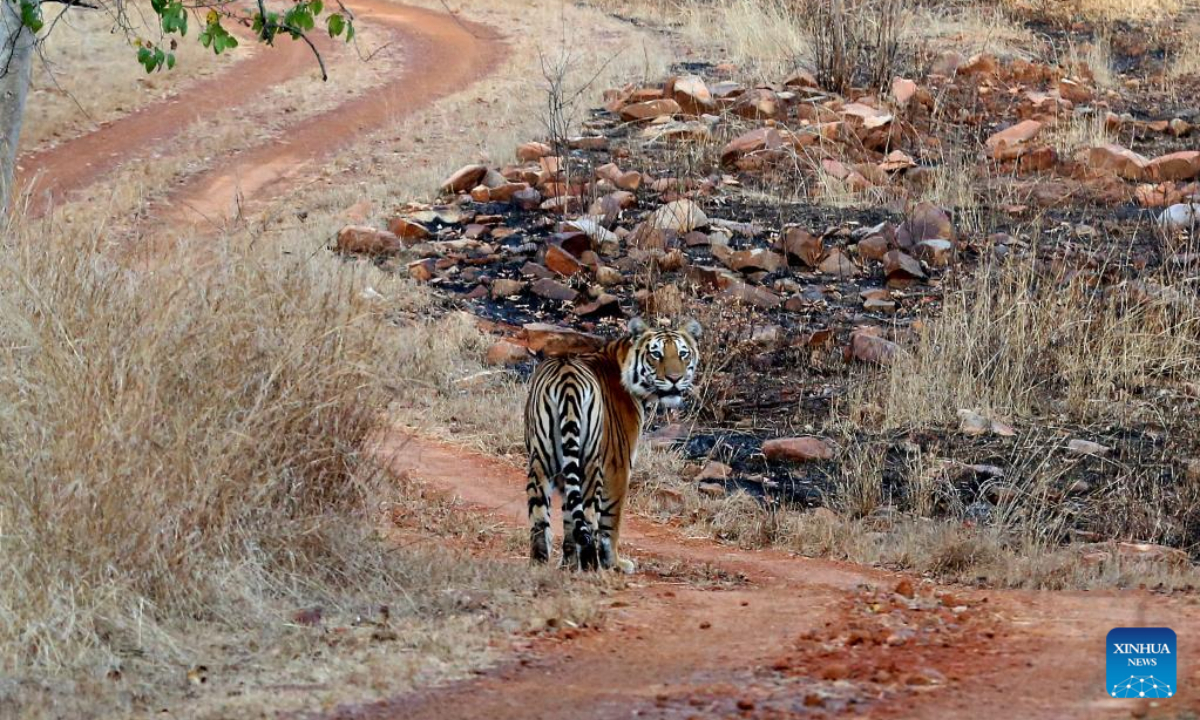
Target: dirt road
<point x="799" y="638"/>
<point x="442" y="54"/>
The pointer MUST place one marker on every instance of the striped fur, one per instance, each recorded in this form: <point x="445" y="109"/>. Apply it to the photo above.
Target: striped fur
<point x="582" y="421"/>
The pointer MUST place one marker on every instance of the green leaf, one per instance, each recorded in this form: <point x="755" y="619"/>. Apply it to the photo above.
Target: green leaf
<point x="336" y="25"/>
<point x="206" y="38"/>
<point x="316" y="6"/>
<point x="171" y="61"/>
<point x="31" y="16"/>
<point x="350" y="31"/>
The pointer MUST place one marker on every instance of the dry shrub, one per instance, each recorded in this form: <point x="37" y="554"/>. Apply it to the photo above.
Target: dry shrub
<point x="854" y="42"/>
<point x="765" y="38"/>
<point x="1100" y="11"/>
<point x="181" y="446"/>
<point x="1015" y="340"/>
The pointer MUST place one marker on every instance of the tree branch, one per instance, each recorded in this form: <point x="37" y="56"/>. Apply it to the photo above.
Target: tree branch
<point x="74" y="3"/>
<point x="317" y="53"/>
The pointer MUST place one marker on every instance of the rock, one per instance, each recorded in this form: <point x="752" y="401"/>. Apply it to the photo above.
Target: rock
<point x="1074" y="91"/>
<point x="464" y="178"/>
<point x="837" y="264"/>
<point x="903" y="90"/>
<point x="681" y="216"/>
<point x="552" y="340"/>
<point x="972" y="423"/>
<point x="939" y="253"/>
<point x="504" y="287"/>
<point x="1087" y="447"/>
<point x="533" y="151"/>
<point x="649" y="110"/>
<point x="896" y="160"/>
<point x="1111" y="158"/>
<point x="874" y="247"/>
<point x="503" y="352"/>
<point x="767" y="335"/>
<point x="797" y="449"/>
<point x="406" y="229"/>
<point x="904" y="588"/>
<point x="608" y="276"/>
<point x="757" y="140"/>
<point x="925" y="222"/>
<point x="869" y="348"/>
<point x="589" y="142"/>
<point x="563" y="204"/>
<point x="363" y="240"/>
<point x="1183" y="165"/>
<point x="528" y="199"/>
<point x="901" y="265"/>
<point x="756" y="259"/>
<point x="1012" y="141"/>
<point x="1180" y="216"/>
<point x="803" y="246"/>
<point x="801" y="79"/>
<point x="750" y="294"/>
<point x="604" y="304"/>
<point x="879" y="305"/>
<point x="692" y="95"/>
<point x="561" y="261"/>
<point x="422" y="270"/>
<point x="554" y="290"/>
<point x="714" y="470"/>
<point x="712" y="489"/>
<point x="505" y="192"/>
<point x="757" y="104"/>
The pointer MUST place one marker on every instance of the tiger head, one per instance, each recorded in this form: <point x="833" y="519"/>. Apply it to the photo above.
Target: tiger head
<point x="661" y="364"/>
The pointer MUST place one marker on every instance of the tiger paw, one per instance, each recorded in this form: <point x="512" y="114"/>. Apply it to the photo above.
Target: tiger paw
<point x="626" y="566"/>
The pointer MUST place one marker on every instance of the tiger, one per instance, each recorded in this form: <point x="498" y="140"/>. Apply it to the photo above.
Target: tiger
<point x="583" y="417"/>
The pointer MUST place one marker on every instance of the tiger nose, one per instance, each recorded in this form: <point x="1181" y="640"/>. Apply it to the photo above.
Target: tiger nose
<point x="674" y="377"/>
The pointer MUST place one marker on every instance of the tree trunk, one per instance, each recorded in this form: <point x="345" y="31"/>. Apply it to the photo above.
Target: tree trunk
<point x="16" y="68"/>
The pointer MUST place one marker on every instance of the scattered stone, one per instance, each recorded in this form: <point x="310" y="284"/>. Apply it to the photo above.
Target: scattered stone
<point x="363" y="240"/>
<point x="554" y="290"/>
<point x="464" y="178"/>
<point x="1087" y="447"/>
<point x="803" y="246"/>
<point x="561" y="261"/>
<point x="533" y="151"/>
<point x="869" y="348"/>
<point x="714" y="470"/>
<point x="1113" y="159"/>
<point x="1012" y="142"/>
<point x="504" y="287"/>
<point x="1183" y="165"/>
<point x="750" y="294"/>
<point x="681" y="216"/>
<point x="553" y="340"/>
<point x="408" y="229"/>
<point x="838" y="264"/>
<point x="711" y="490"/>
<point x="1180" y="216"/>
<point x="938" y="253"/>
<point x="649" y="110"/>
<point x="900" y="265"/>
<point x="903" y="90"/>
<point x="797" y="449"/>
<point x="503" y="352"/>
<point x="692" y="95"/>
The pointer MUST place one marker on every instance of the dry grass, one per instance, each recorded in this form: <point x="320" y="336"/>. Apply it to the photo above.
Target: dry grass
<point x="766" y="39"/>
<point x="1185" y="58"/>
<point x="1102" y="11"/>
<point x="1079" y="131"/>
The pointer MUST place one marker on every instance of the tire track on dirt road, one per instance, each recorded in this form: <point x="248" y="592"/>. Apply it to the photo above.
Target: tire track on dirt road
<point x="442" y="55"/>
<point x="802" y="638"/>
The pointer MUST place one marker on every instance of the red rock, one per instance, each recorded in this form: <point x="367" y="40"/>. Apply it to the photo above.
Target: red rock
<point x="527" y="199"/>
<point x="1074" y="91"/>
<point x="797" y="449"/>
<point x="464" y="178"/>
<point x="749" y="260"/>
<point x="904" y="588"/>
<point x="939" y="253"/>
<point x="738" y="291"/>
<point x="692" y="95"/>
<point x="681" y="216"/>
<point x="552" y="340"/>
<point x="605" y="304"/>
<point x="362" y="240"/>
<point x="896" y="160"/>
<point x="802" y="79"/>
<point x="504" y="287"/>
<point x="562" y="205"/>
<point x="533" y="151"/>
<point x="714" y="470"/>
<point x="481" y="194"/>
<point x="870" y="348"/>
<point x="874" y="247"/>
<point x="1114" y="159"/>
<point x="903" y="90"/>
<point x="981" y="64"/>
<point x="802" y="245"/>
<point x="900" y="265"/>
<point x="925" y="222"/>
<point x="1012" y="141"/>
<point x="503" y="352"/>
<point x="554" y="290"/>
<point x="590" y="142"/>
<point x="561" y="261"/>
<point x="1183" y="165"/>
<point x="837" y="264"/>
<point x="757" y="104"/>
<point x="422" y="270"/>
<point x="649" y="110"/>
<point x="1039" y="159"/>
<point x="764" y="138"/>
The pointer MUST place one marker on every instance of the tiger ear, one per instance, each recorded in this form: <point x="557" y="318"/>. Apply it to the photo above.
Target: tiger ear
<point x="692" y="327"/>
<point x="637" y="326"/>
